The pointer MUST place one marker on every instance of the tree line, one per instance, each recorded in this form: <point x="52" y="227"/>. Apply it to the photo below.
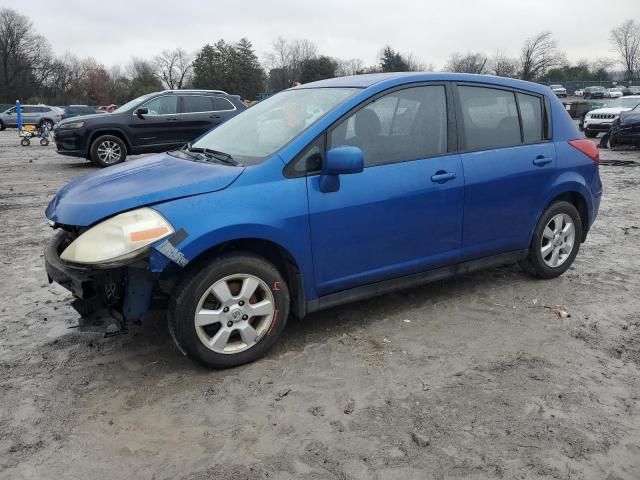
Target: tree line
<point x="31" y="72"/>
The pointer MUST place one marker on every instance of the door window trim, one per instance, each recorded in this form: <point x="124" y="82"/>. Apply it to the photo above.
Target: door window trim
<point x="226" y="100"/>
<point x="547" y="137"/>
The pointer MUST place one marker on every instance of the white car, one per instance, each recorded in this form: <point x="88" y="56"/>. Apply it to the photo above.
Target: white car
<point x="578" y="93"/>
<point x="559" y="90"/>
<point x="600" y="120"/>
<point x="613" y="93"/>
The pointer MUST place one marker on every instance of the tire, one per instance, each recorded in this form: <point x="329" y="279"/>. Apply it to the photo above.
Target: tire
<point x="195" y="293"/>
<point x="590" y="134"/>
<point x="48" y="123"/>
<point x="25" y="142"/>
<point x="44" y="142"/>
<point x="2" y="126"/>
<point x="547" y="239"/>
<point x="108" y="150"/>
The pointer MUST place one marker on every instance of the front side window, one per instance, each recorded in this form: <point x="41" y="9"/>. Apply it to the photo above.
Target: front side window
<point x="490" y="118"/>
<point x="165" y="105"/>
<point x="407" y="124"/>
<point x="260" y="131"/>
<point x="531" y="113"/>
<point x="196" y="104"/>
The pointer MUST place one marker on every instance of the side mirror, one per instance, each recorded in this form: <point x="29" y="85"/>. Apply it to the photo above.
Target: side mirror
<point x="141" y="111"/>
<point x="339" y="161"/>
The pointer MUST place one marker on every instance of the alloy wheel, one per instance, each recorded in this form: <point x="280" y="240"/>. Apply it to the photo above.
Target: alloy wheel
<point x="558" y="239"/>
<point x="234" y="313"/>
<point x="109" y="152"/>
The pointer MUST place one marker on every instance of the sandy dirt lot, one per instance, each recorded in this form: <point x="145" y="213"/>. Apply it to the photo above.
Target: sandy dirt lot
<point x="492" y="375"/>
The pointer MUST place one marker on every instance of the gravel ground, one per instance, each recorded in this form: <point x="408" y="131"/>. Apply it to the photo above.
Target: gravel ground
<point x="492" y="375"/>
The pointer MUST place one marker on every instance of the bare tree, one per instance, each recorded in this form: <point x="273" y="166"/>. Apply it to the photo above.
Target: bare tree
<point x="286" y="59"/>
<point x="23" y="54"/>
<point x="468" y="63"/>
<point x="538" y="55"/>
<point x="626" y="42"/>
<point x="502" y="66"/>
<point x="174" y="67"/>
<point x="353" y="66"/>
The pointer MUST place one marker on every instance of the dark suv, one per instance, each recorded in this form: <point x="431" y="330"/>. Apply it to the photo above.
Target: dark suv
<point x="155" y="122"/>
<point x="593" y="92"/>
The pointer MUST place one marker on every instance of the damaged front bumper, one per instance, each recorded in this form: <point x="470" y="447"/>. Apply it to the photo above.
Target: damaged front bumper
<point x="122" y="293"/>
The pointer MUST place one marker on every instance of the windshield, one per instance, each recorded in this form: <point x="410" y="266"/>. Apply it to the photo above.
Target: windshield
<point x="265" y="128"/>
<point x="132" y="103"/>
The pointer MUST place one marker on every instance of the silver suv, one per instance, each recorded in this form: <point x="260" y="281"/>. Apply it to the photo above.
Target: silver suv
<point x="31" y="114"/>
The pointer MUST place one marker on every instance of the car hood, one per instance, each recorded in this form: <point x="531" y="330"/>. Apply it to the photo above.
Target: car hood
<point x="133" y="184"/>
<point x="614" y="110"/>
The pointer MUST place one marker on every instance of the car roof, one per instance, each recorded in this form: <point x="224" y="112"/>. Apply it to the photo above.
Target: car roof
<point x="400" y="78"/>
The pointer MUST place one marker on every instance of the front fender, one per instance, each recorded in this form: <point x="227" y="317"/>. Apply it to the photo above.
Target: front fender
<point x="272" y="211"/>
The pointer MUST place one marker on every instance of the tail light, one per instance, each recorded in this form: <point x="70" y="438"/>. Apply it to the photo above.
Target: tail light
<point x="588" y="148"/>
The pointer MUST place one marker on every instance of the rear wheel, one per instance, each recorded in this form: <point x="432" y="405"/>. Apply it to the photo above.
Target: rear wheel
<point x="2" y="126"/>
<point x="230" y="311"/>
<point x="25" y="142"/>
<point x="556" y="241"/>
<point x="108" y="150"/>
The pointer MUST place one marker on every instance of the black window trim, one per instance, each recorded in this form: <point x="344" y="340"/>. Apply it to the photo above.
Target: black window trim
<point x="289" y="170"/>
<point x="546" y="138"/>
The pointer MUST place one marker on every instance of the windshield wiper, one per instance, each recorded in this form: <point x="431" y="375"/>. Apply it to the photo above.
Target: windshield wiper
<point x="220" y="156"/>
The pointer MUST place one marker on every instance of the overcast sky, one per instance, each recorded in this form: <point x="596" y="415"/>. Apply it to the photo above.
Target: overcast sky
<point x="112" y="31"/>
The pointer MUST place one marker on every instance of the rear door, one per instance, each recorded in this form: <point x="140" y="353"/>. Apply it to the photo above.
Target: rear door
<point x="509" y="163"/>
<point x="403" y="213"/>
<point x="197" y="117"/>
<point x="158" y="128"/>
<point x="30" y="115"/>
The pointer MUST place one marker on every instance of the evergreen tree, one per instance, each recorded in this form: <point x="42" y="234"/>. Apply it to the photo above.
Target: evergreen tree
<point x="318" y="69"/>
<point x="392" y="61"/>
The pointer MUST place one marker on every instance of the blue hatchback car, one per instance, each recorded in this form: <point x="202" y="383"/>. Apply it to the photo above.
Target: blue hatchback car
<point x="323" y="194"/>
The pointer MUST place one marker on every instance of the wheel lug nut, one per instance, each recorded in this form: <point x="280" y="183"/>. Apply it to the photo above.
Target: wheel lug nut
<point x="229" y="323"/>
<point x="225" y="309"/>
<point x="244" y="317"/>
<point x="241" y="303"/>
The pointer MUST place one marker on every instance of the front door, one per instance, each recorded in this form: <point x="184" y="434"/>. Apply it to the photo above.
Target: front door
<point x="159" y="128"/>
<point x="403" y="213"/>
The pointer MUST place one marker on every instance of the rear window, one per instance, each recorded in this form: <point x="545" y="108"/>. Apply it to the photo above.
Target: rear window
<point x="490" y="118"/>
<point x="531" y="113"/>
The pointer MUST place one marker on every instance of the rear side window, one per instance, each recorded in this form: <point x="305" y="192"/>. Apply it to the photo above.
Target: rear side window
<point x="196" y="103"/>
<point x="531" y="114"/>
<point x="222" y="104"/>
<point x="404" y="125"/>
<point x="490" y="118"/>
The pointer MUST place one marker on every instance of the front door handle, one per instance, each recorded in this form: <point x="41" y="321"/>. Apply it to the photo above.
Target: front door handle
<point x="172" y="119"/>
<point x="215" y="117"/>
<point x="541" y="161"/>
<point x="441" y="176"/>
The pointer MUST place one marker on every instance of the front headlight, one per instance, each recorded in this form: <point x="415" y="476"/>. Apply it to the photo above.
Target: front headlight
<point x="119" y="238"/>
<point x="71" y="125"/>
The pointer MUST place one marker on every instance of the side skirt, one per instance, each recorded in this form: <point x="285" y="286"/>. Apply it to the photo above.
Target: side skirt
<point x="387" y="286"/>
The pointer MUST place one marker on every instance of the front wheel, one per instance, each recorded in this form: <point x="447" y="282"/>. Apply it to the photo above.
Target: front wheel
<point x="25" y="142"/>
<point x="230" y="311"/>
<point x="556" y="241"/>
<point x="44" y="142"/>
<point x="108" y="150"/>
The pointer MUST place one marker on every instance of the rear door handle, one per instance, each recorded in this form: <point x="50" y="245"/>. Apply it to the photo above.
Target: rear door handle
<point x="172" y="119"/>
<point x="441" y="176"/>
<point x="215" y="117"/>
<point x="541" y="161"/>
